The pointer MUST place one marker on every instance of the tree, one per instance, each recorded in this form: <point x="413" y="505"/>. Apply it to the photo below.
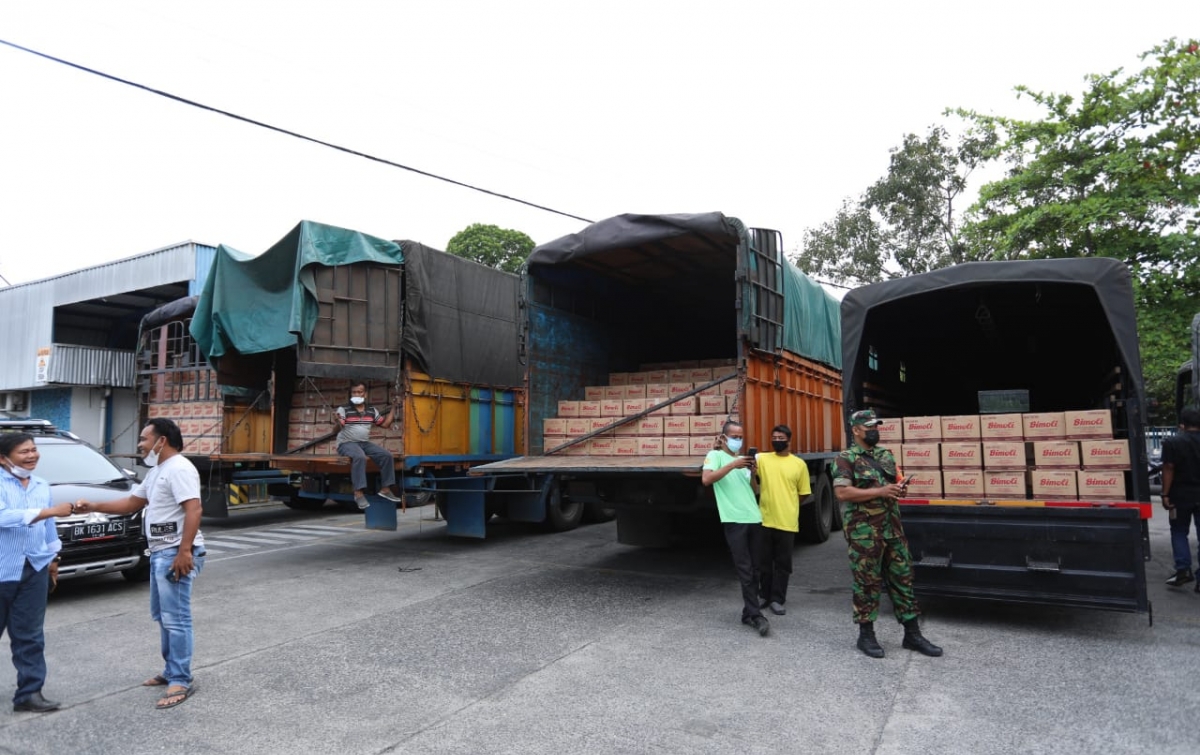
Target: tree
<point x="906" y="222"/>
<point x="1114" y="173"/>
<point x="491" y="245"/>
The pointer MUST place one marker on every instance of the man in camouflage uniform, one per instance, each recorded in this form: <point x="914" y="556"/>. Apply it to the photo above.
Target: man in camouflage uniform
<point x="864" y="479"/>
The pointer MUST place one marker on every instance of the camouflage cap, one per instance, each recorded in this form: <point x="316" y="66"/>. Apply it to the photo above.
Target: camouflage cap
<point x="866" y="418"/>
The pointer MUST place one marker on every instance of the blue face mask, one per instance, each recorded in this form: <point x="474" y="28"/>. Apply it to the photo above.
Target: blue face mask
<point x="734" y="444"/>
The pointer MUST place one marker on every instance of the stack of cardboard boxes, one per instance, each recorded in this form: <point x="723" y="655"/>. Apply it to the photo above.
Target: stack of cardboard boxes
<point x="688" y="427"/>
<point x="314" y="403"/>
<point x="1039" y="456"/>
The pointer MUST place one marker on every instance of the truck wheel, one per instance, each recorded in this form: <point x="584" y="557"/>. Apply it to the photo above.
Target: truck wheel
<point x="304" y="504"/>
<point x="562" y="516"/>
<point x="816" y="519"/>
<point x="139" y="573"/>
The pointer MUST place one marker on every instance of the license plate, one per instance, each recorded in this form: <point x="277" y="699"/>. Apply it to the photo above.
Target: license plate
<point x="97" y="530"/>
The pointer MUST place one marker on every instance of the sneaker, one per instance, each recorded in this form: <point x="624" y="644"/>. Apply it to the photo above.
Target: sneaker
<point x="361" y="501"/>
<point x="1181" y="578"/>
<point x="760" y="624"/>
<point x="778" y="609"/>
<point x="388" y="495"/>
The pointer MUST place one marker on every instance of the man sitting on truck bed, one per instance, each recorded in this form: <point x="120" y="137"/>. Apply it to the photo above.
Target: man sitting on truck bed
<point x="732" y="479"/>
<point x="864" y="479"/>
<point x="355" y="420"/>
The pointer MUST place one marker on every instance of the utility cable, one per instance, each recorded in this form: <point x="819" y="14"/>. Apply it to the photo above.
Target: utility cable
<point x="287" y="132"/>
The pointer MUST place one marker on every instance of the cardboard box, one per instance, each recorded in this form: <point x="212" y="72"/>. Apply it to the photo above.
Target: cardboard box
<point x="568" y="408"/>
<point x="677" y="425"/>
<point x="1053" y="484"/>
<point x="590" y="409"/>
<point x="701" y="425"/>
<point x="594" y="392"/>
<point x="627" y="429"/>
<point x="614" y="393"/>
<point x="712" y="390"/>
<point x="658" y="391"/>
<point x="713" y="405"/>
<point x="610" y="407"/>
<point x="1001" y="427"/>
<point x="962" y="483"/>
<point x="701" y="444"/>
<point x="925" y="483"/>
<point x="891" y="430"/>
<point x="1104" y="454"/>
<point x="962" y="455"/>
<point x="1044" y="426"/>
<point x="700" y="375"/>
<point x="650" y="446"/>
<point x="579" y="449"/>
<point x="633" y="391"/>
<point x="1089" y="425"/>
<point x="922" y="429"/>
<point x="677" y="446"/>
<point x="961" y="427"/>
<point x="1008" y="484"/>
<point x="637" y="378"/>
<point x="618" y="378"/>
<point x="1101" y="485"/>
<point x="1048" y="454"/>
<point x="602" y="447"/>
<point x="577" y="427"/>
<point x="689" y="405"/>
<point x="919" y="456"/>
<point x="676" y="387"/>
<point x="657" y="376"/>
<point x="625" y="447"/>
<point x="650" y="426"/>
<point x="679" y="375"/>
<point x="1004" y="454"/>
<point x="631" y="406"/>
<point x="557" y="427"/>
<point x="599" y="423"/>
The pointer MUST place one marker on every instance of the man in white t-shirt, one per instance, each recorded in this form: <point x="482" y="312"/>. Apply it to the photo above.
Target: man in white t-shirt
<point x="170" y="498"/>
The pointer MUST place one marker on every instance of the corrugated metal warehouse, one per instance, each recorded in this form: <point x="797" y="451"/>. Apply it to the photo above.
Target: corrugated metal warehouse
<point x="67" y="343"/>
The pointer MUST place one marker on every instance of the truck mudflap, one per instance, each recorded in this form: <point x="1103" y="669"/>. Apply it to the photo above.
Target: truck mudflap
<point x="1086" y="556"/>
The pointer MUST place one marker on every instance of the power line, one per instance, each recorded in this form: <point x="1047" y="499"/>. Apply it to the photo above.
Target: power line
<point x="287" y="132"/>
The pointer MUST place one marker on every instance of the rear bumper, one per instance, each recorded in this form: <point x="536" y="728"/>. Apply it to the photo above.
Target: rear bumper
<point x="101" y="559"/>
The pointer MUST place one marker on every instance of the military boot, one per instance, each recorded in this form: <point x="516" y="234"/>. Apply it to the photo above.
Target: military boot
<point x="914" y="640"/>
<point x="867" y="642"/>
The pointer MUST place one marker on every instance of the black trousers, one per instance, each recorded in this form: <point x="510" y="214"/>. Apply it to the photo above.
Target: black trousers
<point x="774" y="563"/>
<point x="742" y="539"/>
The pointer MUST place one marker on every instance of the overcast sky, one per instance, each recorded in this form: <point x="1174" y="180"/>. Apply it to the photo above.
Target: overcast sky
<point x="768" y="111"/>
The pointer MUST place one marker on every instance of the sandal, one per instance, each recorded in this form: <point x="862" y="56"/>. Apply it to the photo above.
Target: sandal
<point x="158" y="680"/>
<point x="171" y="699"/>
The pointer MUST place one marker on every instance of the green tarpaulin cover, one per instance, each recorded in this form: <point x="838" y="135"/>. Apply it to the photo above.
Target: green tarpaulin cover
<point x="255" y="304"/>
<point x="812" y="318"/>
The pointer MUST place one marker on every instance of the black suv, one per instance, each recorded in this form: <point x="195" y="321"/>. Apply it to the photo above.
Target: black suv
<point x="92" y="543"/>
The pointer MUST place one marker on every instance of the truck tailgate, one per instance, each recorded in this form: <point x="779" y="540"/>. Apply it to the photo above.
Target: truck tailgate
<point x="687" y="465"/>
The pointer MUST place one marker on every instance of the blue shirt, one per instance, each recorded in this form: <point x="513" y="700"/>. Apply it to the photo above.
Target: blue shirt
<point x="19" y="540"/>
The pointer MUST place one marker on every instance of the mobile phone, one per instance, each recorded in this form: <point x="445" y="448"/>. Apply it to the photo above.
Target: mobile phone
<point x="752" y="452"/>
<point x="905" y="480"/>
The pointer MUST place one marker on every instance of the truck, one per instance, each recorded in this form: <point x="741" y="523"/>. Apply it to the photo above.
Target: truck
<point x="1032" y="337"/>
<point x="254" y="369"/>
<point x="1187" y="388"/>
<point x="643" y="323"/>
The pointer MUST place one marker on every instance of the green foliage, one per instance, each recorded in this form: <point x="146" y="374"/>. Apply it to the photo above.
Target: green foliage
<point x="491" y="245"/>
<point x="905" y="223"/>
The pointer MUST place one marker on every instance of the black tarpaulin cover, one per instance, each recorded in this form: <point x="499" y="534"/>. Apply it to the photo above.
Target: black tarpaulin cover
<point x="1108" y="278"/>
<point x="460" y="318"/>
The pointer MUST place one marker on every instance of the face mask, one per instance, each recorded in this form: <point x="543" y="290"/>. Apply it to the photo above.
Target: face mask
<point x="357" y="400"/>
<point x="735" y="444"/>
<point x="871" y="437"/>
<point x="151" y="458"/>
<point x="21" y="473"/>
<point x="779" y="445"/>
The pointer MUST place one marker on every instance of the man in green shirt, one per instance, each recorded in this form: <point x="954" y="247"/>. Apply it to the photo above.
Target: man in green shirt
<point x="732" y="479"/>
<point x="864" y="479"/>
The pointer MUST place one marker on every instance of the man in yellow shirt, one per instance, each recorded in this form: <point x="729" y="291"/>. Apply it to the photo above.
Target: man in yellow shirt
<point x="783" y="482"/>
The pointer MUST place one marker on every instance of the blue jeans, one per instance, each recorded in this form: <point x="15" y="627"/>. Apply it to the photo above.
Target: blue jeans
<point x="358" y="453"/>
<point x="23" y="614"/>
<point x="1185" y="514"/>
<point x="171" y="607"/>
